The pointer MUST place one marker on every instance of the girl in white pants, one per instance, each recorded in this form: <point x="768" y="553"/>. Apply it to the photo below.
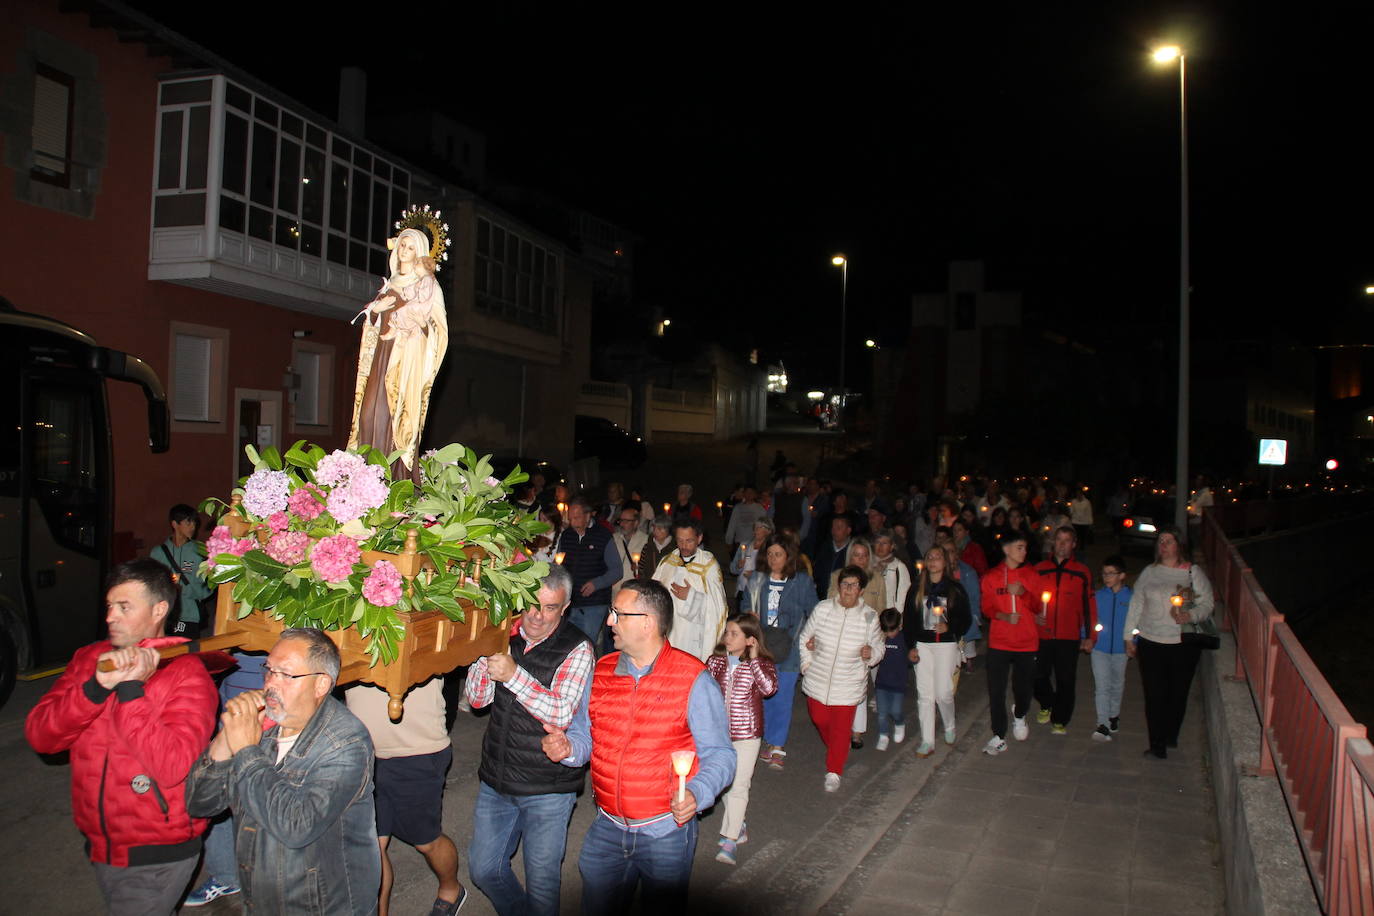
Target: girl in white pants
<point x="936" y="615"/>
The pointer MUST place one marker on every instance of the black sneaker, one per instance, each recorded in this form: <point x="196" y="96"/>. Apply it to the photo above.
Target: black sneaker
<point x="1102" y="733"/>
<point x="1115" y="722"/>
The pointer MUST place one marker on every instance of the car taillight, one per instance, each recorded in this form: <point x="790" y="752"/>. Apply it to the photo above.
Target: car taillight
<point x="1128" y="523"/>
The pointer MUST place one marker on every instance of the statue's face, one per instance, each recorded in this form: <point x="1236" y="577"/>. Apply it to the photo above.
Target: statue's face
<point x="405" y="249"/>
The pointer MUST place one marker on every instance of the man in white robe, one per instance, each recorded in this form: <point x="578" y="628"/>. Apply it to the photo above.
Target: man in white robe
<point x="693" y="577"/>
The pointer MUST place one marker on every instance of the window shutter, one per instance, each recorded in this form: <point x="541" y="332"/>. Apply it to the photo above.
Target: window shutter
<point x="191" y="394"/>
<point x="51" y="106"/>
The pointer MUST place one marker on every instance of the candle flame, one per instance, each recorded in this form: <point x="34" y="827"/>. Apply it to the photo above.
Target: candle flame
<point x="682" y="762"/>
<point x="1045" y="597"/>
<point x="558" y="557"/>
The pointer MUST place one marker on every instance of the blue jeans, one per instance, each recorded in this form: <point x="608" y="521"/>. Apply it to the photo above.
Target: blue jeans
<point x="499" y="823"/>
<point x="220" y="862"/>
<point x="615" y="859"/>
<point x="777" y="710"/>
<point x="591" y="620"/>
<point x="889" y="710"/>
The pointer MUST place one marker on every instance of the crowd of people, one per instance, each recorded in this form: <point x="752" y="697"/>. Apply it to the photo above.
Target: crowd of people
<point x="635" y="654"/>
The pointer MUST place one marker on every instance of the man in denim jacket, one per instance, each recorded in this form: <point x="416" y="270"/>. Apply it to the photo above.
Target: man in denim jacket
<point x="301" y="791"/>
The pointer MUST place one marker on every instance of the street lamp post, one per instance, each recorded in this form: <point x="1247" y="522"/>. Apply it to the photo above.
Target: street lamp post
<point x="842" y="263"/>
<point x="1166" y="55"/>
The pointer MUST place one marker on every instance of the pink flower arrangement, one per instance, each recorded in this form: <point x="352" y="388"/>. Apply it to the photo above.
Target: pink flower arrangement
<point x="339" y="466"/>
<point x="382" y="586"/>
<point x="356" y="496"/>
<point x="288" y="547"/>
<point x="332" y="557"/>
<point x="307" y="502"/>
<point x="278" y="522"/>
<point x="221" y="541"/>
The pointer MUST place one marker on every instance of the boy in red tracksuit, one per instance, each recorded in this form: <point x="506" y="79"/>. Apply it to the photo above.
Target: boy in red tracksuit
<point x="1009" y="606"/>
<point x="1067" y="625"/>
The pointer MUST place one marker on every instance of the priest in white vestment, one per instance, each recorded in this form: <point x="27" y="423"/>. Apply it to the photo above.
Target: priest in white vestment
<point x="693" y="577"/>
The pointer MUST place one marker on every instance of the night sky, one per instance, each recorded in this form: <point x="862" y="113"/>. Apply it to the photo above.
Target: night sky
<point x="745" y="149"/>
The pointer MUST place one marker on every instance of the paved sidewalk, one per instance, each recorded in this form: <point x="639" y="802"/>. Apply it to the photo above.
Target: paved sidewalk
<point x="1057" y="824"/>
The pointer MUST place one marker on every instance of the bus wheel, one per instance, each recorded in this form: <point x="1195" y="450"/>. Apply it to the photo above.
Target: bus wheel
<point x="9" y="664"/>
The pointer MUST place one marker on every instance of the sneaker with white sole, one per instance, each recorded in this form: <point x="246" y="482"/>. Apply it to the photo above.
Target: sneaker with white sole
<point x="898" y="734"/>
<point x="1057" y="729"/>
<point x="779" y="759"/>
<point x="1043" y="717"/>
<point x="925" y="750"/>
<point x="883" y="742"/>
<point x="832" y="782"/>
<point x="1102" y="733"/>
<point x="210" y="890"/>
<point x="949" y="736"/>
<point x="1019" y="729"/>
<point x="994" y="746"/>
<point x="727" y="852"/>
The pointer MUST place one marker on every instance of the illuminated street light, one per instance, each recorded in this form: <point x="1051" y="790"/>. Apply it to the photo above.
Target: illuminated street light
<point x="1369" y="290"/>
<point x="871" y="343"/>
<point x="842" y="263"/>
<point x="667" y="321"/>
<point x="1164" y="55"/>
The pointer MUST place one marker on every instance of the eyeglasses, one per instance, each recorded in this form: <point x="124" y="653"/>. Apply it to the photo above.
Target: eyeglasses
<point x="269" y="673"/>
<point x="614" y="614"/>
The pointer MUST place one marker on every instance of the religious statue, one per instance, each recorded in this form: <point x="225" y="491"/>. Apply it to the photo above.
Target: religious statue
<point x="405" y="334"/>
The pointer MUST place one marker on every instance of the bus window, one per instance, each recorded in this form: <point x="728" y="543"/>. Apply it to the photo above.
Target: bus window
<point x="63" y="456"/>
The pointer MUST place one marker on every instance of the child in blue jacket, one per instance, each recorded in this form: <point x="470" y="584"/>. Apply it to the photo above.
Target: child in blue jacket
<point x="1109" y="653"/>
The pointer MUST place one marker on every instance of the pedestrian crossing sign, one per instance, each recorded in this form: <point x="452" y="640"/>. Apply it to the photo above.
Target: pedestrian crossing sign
<point x="1273" y="451"/>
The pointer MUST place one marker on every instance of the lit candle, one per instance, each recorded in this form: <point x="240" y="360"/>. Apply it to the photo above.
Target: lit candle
<point x="920" y="566"/>
<point x="1176" y="601"/>
<point x="562" y="508"/>
<point x="558" y="557"/>
<point x="1098" y="628"/>
<point x="634" y="558"/>
<point x="682" y="765"/>
<point x="667" y="507"/>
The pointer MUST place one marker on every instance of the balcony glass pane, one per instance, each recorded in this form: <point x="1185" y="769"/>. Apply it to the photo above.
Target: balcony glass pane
<point x="310" y="240"/>
<point x="260" y="223"/>
<point x="263" y="177"/>
<point x="179" y="210"/>
<point x="359" y="196"/>
<point x="235" y="170"/>
<point x="288" y="232"/>
<point x="169" y="152"/>
<point x="288" y="176"/>
<point x="181" y="93"/>
<point x="312" y="187"/>
<point x="232" y="213"/>
<point x="198" y="147"/>
<point x="338" y="196"/>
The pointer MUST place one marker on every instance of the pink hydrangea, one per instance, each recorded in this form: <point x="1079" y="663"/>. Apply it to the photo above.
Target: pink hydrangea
<point x="265" y="492"/>
<point x="338" y="466"/>
<point x="278" y="522"/>
<point x="307" y="502"/>
<point x="332" y="558"/>
<point x="288" y="547"/>
<point x="221" y="541"/>
<point x="383" y="585"/>
<point x="357" y="495"/>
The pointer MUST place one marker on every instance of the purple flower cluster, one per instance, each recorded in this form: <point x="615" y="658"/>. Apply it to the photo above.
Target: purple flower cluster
<point x="221" y="541"/>
<point x="288" y="547"/>
<point x="332" y="557"/>
<point x="338" y="466"/>
<point x="307" y="502"/>
<point x="265" y="492"/>
<point x="383" y="585"/>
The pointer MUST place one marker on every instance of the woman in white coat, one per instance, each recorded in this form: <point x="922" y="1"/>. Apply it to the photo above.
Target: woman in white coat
<point x="840" y="641"/>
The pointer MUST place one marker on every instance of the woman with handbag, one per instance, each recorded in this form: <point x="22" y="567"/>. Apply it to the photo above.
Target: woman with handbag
<point x="781" y="596"/>
<point x="1172" y="598"/>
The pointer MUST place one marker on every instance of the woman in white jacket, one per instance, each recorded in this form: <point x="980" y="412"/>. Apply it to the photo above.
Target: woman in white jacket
<point x="840" y="641"/>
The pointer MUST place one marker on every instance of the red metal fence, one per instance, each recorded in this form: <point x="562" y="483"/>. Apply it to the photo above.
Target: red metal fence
<point x="1318" y="752"/>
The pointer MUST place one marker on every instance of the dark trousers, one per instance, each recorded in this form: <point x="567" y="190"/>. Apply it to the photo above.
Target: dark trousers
<point x="1022" y="666"/>
<point x="1166" y="673"/>
<point x="1056" y="672"/>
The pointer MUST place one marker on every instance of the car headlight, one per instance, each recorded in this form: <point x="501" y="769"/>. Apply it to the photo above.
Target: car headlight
<point x="1146" y="528"/>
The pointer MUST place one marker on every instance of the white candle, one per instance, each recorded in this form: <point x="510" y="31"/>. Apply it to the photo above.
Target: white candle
<point x="682" y="765"/>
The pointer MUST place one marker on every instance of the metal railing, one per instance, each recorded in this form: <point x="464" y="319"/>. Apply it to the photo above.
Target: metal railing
<point x="1309" y="741"/>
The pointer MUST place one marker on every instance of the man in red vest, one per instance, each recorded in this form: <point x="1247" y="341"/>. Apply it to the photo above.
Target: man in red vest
<point x="647" y="701"/>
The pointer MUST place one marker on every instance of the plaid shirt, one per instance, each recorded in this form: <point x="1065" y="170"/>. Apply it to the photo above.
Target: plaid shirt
<point x="553" y="705"/>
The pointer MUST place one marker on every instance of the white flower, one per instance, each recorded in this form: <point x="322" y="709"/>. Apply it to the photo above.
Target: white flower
<point x="446" y="227"/>
<point x="426" y="208"/>
<point x="436" y="214"/>
<point x="445" y="255"/>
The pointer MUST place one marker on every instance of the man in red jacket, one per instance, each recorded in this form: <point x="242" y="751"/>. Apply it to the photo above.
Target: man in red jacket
<point x="1009" y="608"/>
<point x="133" y="733"/>
<point x="1067" y="624"/>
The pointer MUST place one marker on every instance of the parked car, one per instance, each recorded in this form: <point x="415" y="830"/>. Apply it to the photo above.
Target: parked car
<point x="1137" y="529"/>
<point x="597" y="437"/>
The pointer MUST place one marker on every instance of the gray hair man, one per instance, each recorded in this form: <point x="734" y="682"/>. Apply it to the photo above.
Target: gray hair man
<point x="523" y="796"/>
<point x="296" y="768"/>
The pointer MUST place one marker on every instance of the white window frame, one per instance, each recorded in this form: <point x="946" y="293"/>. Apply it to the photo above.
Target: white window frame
<point x="325" y="385"/>
<point x="216" y="376"/>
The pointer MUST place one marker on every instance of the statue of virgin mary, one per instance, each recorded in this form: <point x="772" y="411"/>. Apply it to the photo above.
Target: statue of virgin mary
<point x="405" y="334"/>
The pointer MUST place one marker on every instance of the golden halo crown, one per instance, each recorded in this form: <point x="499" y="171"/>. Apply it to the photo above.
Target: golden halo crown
<point x="426" y="220"/>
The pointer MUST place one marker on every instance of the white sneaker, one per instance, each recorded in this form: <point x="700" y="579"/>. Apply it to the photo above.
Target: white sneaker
<point x="994" y="746"/>
<point x="882" y="742"/>
<point x="832" y="782"/>
<point x="1019" y="730"/>
<point x="898" y="734"/>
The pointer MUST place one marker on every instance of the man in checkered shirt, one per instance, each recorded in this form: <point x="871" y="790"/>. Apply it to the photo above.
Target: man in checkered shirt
<point x="524" y="795"/>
